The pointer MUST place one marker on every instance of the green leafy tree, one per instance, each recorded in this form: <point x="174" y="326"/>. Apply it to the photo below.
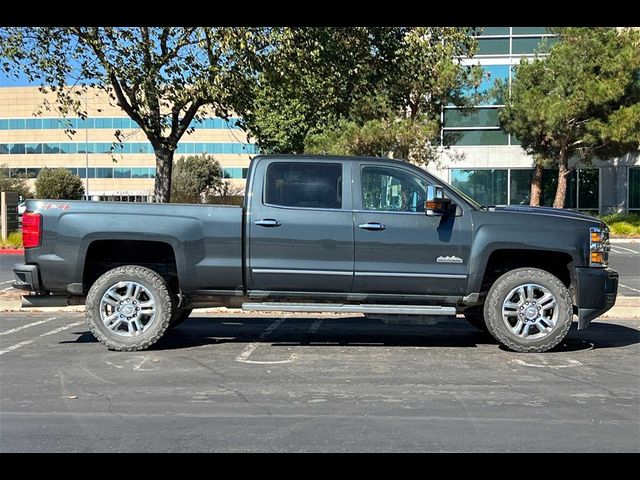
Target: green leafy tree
<point x="59" y="184"/>
<point x="400" y="114"/>
<point x="580" y="102"/>
<point x="196" y="179"/>
<point x="14" y="184"/>
<point x="162" y="77"/>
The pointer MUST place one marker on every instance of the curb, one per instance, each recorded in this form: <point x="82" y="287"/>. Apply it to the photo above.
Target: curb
<point x="11" y="251"/>
<point x="624" y="240"/>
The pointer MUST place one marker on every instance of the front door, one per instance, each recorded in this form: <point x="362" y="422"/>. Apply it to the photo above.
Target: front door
<point x="299" y="227"/>
<point x="398" y="249"/>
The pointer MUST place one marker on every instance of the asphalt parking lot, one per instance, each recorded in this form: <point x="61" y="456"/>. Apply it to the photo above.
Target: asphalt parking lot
<point x="296" y="383"/>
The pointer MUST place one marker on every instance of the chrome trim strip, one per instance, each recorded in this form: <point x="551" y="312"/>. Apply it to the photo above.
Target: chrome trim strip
<point x="303" y="272"/>
<point x="416" y="275"/>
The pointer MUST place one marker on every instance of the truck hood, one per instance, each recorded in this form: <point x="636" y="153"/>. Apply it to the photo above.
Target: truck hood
<point x="549" y="211"/>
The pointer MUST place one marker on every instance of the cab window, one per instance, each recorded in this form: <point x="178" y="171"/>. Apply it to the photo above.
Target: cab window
<point x="391" y="189"/>
<point x="304" y="185"/>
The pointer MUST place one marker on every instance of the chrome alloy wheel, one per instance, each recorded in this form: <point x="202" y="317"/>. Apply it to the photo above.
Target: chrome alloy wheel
<point x="530" y="311"/>
<point x="127" y="309"/>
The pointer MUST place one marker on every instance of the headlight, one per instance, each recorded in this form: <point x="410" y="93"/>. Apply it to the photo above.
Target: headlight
<point x="599" y="247"/>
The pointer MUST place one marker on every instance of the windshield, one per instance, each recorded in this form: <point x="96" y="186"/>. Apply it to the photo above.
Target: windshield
<point x="466" y="197"/>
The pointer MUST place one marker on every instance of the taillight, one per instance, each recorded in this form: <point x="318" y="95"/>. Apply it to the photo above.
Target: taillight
<point x="31" y="229"/>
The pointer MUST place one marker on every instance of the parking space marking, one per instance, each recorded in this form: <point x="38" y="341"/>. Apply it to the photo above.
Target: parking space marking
<point x="630" y="288"/>
<point x="8" y="281"/>
<point x="29" y="325"/>
<point x="618" y="247"/>
<point x="27" y="342"/>
<point x="6" y="289"/>
<point x="243" y="357"/>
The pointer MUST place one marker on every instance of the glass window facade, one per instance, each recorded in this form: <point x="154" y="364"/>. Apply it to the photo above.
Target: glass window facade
<point x="219" y="148"/>
<point x="100" y="123"/>
<point x="475" y="137"/>
<point x="493" y="46"/>
<point x="528" y="45"/>
<point x="489" y="186"/>
<point x="478" y="117"/>
<point x="494" y="31"/>
<point x="634" y="188"/>
<point x="530" y="30"/>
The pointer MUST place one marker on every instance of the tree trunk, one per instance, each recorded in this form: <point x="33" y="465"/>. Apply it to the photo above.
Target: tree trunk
<point x="536" y="184"/>
<point x="164" y="167"/>
<point x="561" y="191"/>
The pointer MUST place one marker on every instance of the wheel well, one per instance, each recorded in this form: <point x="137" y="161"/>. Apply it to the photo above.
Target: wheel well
<point x="502" y="261"/>
<point x="103" y="255"/>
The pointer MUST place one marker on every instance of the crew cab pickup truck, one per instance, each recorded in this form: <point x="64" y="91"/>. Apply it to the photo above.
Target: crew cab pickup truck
<point x="322" y="234"/>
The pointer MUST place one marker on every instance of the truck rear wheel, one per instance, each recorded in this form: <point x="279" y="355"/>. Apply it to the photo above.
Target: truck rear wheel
<point x="129" y="308"/>
<point x="528" y="310"/>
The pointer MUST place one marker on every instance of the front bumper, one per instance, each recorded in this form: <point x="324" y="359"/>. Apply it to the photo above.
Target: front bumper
<point x="27" y="278"/>
<point x="596" y="291"/>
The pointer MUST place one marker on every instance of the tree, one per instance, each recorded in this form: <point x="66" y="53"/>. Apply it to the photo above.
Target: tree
<point x="196" y="178"/>
<point x="580" y="102"/>
<point x="162" y="77"/>
<point x="359" y="90"/>
<point x="14" y="184"/>
<point x="59" y="184"/>
<point x="402" y="117"/>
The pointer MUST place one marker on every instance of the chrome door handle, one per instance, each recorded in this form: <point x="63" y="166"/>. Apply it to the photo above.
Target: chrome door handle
<point x="267" y="222"/>
<point x="372" y="226"/>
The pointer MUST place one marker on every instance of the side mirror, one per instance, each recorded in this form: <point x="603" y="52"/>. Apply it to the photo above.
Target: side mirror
<point x="436" y="205"/>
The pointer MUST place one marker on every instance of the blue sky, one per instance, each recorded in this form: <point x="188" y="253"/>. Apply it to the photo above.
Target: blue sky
<point x="6" y="81"/>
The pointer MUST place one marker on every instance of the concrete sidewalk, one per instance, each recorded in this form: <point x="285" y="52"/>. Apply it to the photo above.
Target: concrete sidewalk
<point x="625" y="307"/>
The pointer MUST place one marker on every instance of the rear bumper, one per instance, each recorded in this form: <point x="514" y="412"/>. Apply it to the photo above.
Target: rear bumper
<point x="596" y="291"/>
<point x="27" y="278"/>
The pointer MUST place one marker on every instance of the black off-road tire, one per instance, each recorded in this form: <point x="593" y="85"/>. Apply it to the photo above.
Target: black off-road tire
<point x="150" y="280"/>
<point x="179" y="316"/>
<point x="475" y="316"/>
<point x="496" y="297"/>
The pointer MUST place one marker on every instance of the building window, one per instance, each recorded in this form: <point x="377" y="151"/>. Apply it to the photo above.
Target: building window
<point x="488" y="187"/>
<point x="475" y="137"/>
<point x="527" y="45"/>
<point x="530" y="30"/>
<point x="304" y="185"/>
<point x="634" y="188"/>
<point x="495" y="31"/>
<point x="493" y="46"/>
<point x="478" y="117"/>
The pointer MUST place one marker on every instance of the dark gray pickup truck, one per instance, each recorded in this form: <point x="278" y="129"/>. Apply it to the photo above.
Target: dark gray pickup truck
<point x="322" y="234"/>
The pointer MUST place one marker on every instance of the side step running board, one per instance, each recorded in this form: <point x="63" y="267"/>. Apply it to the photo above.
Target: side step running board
<point x="346" y="308"/>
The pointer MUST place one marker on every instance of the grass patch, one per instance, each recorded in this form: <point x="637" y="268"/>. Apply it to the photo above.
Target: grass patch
<point x="14" y="240"/>
<point x="622" y="224"/>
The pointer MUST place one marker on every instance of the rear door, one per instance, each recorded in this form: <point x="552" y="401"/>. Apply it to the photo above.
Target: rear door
<point x="398" y="249"/>
<point x="299" y="226"/>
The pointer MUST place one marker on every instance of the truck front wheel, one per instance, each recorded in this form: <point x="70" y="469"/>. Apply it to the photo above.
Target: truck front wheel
<point x="129" y="308"/>
<point x="528" y="310"/>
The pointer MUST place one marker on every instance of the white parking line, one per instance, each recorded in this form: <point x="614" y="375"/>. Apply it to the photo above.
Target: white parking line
<point x="28" y="325"/>
<point x="8" y="281"/>
<point x="623" y="248"/>
<point x="27" y="342"/>
<point x="5" y="289"/>
<point x="243" y="357"/>
<point x="630" y="288"/>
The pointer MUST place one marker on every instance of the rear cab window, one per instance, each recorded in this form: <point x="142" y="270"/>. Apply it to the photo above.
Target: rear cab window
<point x="304" y="185"/>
